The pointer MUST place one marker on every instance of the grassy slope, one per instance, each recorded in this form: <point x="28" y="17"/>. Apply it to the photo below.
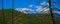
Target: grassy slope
<point x="21" y="18"/>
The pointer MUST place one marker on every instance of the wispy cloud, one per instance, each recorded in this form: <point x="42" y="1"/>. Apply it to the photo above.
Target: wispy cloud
<point x="44" y="3"/>
<point x="30" y="5"/>
<point x="38" y="9"/>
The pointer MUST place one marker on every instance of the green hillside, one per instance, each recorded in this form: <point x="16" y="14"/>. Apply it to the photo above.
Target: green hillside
<point x="21" y="18"/>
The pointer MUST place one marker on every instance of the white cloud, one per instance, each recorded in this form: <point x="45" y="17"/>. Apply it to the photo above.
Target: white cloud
<point x="30" y="5"/>
<point x="44" y="3"/>
<point x="38" y="8"/>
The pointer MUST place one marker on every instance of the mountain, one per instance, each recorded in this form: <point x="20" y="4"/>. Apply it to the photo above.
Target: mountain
<point x="32" y="11"/>
<point x="22" y="18"/>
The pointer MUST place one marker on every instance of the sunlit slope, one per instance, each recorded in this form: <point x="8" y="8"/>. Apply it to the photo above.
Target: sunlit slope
<point x="21" y="18"/>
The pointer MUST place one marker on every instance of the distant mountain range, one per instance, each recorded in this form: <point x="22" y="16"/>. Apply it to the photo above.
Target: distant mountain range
<point x="29" y="11"/>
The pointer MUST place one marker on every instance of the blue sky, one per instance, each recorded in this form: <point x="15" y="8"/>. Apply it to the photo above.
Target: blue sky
<point x="19" y="3"/>
<point x="25" y="4"/>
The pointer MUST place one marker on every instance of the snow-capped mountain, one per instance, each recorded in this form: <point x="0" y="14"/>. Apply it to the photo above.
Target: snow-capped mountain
<point x="29" y="11"/>
<point x="26" y="10"/>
